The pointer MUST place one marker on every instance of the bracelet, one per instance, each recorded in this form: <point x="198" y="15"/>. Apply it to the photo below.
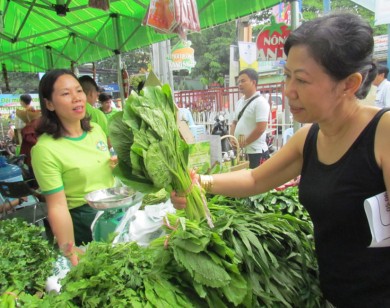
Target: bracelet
<point x="207" y="182"/>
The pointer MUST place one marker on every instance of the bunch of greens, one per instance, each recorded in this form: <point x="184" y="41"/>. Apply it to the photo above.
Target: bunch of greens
<point x="26" y="258"/>
<point x="150" y="151"/>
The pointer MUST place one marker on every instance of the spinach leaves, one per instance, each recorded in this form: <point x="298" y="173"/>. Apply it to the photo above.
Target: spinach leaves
<point x="151" y="153"/>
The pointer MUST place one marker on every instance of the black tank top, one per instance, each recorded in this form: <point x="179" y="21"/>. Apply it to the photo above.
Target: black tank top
<point x="351" y="274"/>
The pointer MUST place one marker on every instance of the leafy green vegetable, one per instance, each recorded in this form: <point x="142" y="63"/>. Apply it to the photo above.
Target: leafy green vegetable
<point x="26" y="258"/>
<point x="121" y="275"/>
<point x="151" y="153"/>
<point x="249" y="259"/>
<point x="276" y="249"/>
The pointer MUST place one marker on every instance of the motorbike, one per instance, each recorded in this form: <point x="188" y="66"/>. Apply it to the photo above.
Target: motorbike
<point x="221" y="128"/>
<point x="7" y="147"/>
<point x="270" y="142"/>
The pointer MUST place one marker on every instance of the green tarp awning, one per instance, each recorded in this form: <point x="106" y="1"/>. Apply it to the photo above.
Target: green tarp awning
<point x="33" y="38"/>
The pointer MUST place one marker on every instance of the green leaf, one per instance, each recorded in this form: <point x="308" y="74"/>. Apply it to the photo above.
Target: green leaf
<point x="202" y="269"/>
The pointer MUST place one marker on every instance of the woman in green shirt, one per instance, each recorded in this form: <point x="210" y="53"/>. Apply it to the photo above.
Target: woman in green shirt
<point x="70" y="159"/>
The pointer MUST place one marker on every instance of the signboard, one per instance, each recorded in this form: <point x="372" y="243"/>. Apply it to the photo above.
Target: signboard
<point x="13" y="100"/>
<point x="111" y="87"/>
<point x="282" y="12"/>
<point x="247" y="51"/>
<point x="381" y="47"/>
<point x="182" y="57"/>
<point x="270" y="41"/>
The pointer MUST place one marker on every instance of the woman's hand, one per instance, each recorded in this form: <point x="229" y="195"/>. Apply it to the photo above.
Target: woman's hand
<point x="72" y="253"/>
<point x="113" y="161"/>
<point x="179" y="202"/>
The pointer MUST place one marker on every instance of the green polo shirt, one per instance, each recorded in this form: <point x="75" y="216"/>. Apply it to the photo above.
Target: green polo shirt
<point x="76" y="165"/>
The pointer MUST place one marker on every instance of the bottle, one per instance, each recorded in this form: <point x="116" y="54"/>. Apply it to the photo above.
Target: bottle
<point x="8" y="172"/>
<point x="226" y="162"/>
<point x="233" y="158"/>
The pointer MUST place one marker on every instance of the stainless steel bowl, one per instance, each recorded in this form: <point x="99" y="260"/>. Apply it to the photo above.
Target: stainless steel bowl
<point x="113" y="198"/>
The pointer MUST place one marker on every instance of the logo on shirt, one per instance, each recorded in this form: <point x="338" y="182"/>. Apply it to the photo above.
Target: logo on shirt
<point x="101" y="146"/>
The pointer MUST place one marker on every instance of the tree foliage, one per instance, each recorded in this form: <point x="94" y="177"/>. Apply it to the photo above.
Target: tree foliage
<point x="212" y="52"/>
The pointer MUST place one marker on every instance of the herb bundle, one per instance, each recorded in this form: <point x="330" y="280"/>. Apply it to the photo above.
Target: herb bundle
<point x="150" y="151"/>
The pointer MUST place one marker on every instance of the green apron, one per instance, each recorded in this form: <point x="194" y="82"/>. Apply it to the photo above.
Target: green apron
<point x="82" y="218"/>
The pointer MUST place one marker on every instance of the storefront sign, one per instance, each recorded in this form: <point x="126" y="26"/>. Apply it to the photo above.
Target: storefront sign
<point x="381" y="47"/>
<point x="111" y="87"/>
<point x="12" y="100"/>
<point x="270" y="41"/>
<point x="182" y="57"/>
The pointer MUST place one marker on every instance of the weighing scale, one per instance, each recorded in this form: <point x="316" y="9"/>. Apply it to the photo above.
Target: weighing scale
<point x="113" y="205"/>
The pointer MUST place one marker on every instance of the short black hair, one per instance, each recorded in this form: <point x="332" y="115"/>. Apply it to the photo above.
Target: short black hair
<point x="26" y="98"/>
<point x="342" y="43"/>
<point x="251" y="73"/>
<point x="383" y="70"/>
<point x="103" y="97"/>
<point x="88" y="84"/>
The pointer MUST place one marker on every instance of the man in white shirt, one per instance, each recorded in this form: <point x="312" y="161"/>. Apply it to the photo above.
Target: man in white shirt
<point x="383" y="91"/>
<point x="251" y="118"/>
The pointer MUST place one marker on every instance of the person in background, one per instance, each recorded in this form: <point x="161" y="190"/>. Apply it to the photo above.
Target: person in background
<point x="251" y="119"/>
<point x="342" y="158"/>
<point x="29" y="137"/>
<point x="106" y="105"/>
<point x="11" y="131"/>
<point x="8" y="205"/>
<point x="91" y="90"/>
<point x="382" y="98"/>
<point x="70" y="159"/>
<point x="25" y="102"/>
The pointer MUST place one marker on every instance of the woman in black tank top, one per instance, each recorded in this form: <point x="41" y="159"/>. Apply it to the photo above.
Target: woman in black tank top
<point x="343" y="158"/>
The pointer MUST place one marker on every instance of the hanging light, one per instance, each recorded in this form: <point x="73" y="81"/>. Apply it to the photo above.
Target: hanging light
<point x="61" y="8"/>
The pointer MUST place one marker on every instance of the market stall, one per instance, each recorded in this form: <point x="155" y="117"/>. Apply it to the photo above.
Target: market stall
<point x="218" y="252"/>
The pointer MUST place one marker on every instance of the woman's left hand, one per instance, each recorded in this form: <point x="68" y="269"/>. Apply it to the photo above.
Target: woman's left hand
<point x="113" y="161"/>
<point x="72" y="252"/>
<point x="179" y="202"/>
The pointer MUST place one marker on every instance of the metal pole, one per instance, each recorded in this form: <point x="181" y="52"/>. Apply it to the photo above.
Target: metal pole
<point x="161" y="68"/>
<point x="388" y="48"/>
<point x="49" y="57"/>
<point x="115" y="23"/>
<point x="326" y="4"/>
<point x="294" y="25"/>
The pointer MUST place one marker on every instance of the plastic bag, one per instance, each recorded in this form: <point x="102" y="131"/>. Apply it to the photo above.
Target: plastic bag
<point x="145" y="225"/>
<point x="61" y="268"/>
<point x="173" y="16"/>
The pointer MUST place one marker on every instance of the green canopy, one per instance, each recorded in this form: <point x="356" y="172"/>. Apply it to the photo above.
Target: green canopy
<point x="34" y="37"/>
